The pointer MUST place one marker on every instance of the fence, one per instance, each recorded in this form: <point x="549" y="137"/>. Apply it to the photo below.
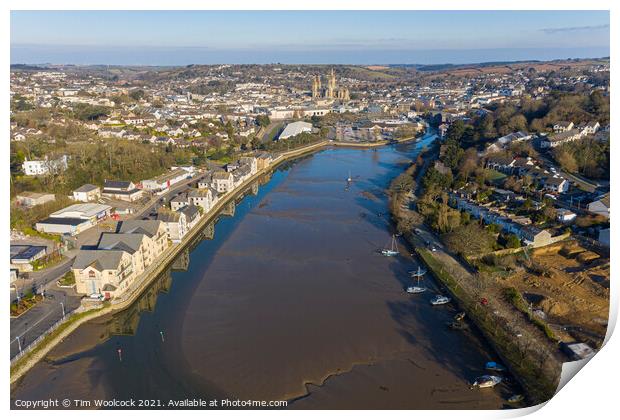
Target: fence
<point x="41" y="337"/>
<point x="169" y="254"/>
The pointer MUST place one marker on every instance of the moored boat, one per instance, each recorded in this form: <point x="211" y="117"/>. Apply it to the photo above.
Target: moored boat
<point x="494" y="366"/>
<point x="460" y="316"/>
<point x="416" y="289"/>
<point x="440" y="300"/>
<point x="486" y="381"/>
<point x="392" y="250"/>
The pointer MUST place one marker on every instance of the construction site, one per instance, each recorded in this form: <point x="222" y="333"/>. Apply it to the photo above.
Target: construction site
<point x="566" y="286"/>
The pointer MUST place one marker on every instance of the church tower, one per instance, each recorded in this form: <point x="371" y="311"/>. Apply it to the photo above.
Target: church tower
<point x="331" y="84"/>
<point x="316" y="87"/>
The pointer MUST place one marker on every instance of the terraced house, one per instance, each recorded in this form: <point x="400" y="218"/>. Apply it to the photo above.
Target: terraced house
<point x="119" y="258"/>
<point x="103" y="272"/>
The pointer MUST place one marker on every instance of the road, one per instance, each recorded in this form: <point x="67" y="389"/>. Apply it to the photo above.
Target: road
<point x="580" y="182"/>
<point x="42" y="316"/>
<point x="266" y="136"/>
<point x="153" y="204"/>
<point x="41" y="278"/>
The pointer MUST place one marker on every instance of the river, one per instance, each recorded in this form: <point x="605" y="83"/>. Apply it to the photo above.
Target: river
<point x="288" y="301"/>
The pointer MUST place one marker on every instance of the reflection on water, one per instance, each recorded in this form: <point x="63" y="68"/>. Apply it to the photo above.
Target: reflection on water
<point x="283" y="299"/>
<point x="126" y="322"/>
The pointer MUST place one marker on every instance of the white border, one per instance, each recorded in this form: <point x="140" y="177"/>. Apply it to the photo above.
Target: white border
<point x="592" y="394"/>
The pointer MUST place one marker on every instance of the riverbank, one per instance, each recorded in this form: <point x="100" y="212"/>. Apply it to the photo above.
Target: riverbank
<point x="21" y="366"/>
<point x="71" y="323"/>
<point x="536" y="370"/>
<point x="370" y="145"/>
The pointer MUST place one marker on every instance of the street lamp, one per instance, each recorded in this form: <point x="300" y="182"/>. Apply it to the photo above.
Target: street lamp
<point x="62" y="305"/>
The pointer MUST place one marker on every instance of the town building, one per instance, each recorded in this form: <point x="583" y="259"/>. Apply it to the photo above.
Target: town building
<point x="562" y="126"/>
<point x="45" y="166"/>
<point x="560" y="137"/>
<point x="175" y="223"/>
<point x="530" y="235"/>
<point x="92" y="212"/>
<point x="565" y="215"/>
<point x="556" y="184"/>
<point x="121" y="190"/>
<point x="165" y="181"/>
<point x="106" y="273"/>
<point x="202" y="198"/>
<point x="192" y="215"/>
<point x="154" y="229"/>
<point x="180" y="201"/>
<point x="295" y="128"/>
<point x="135" y="244"/>
<point x="87" y="193"/>
<point x="223" y="182"/>
<point x="600" y="206"/>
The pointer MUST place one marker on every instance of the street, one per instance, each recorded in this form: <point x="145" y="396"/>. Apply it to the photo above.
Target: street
<point x="42" y="316"/>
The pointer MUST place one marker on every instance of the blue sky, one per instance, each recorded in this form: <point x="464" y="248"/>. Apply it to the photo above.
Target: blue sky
<point x="348" y="37"/>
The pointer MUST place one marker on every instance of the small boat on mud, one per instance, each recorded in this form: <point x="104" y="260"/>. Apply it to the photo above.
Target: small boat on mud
<point x="440" y="300"/>
<point x="392" y="250"/>
<point x="486" y="381"/>
<point x="456" y="325"/>
<point x="417" y="288"/>
<point x="494" y="366"/>
<point x="418" y="273"/>
<point x="460" y="316"/>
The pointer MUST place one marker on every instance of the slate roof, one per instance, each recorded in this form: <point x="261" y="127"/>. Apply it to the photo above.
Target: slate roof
<point x="86" y="188"/>
<point x="129" y="242"/>
<point x="147" y="227"/>
<point x="99" y="259"/>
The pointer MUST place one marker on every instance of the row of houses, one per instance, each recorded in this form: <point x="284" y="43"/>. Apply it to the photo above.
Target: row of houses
<point x="526" y="166"/>
<point x="566" y="131"/>
<point x="528" y="234"/>
<point x="185" y="208"/>
<point x="110" y="269"/>
<point x="120" y="257"/>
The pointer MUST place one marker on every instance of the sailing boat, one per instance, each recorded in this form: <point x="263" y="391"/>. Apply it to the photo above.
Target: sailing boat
<point x="417" y="288"/>
<point x="349" y="179"/>
<point x="393" y="250"/>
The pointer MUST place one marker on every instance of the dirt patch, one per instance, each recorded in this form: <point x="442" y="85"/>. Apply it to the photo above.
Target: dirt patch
<point x="575" y="291"/>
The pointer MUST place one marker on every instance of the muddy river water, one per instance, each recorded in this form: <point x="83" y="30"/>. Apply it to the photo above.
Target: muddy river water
<point x="288" y="301"/>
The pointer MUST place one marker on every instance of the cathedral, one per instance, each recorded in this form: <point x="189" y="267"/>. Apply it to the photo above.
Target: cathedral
<point x="331" y="91"/>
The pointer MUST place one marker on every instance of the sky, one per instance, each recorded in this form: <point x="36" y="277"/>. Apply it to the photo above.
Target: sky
<point x="304" y="37"/>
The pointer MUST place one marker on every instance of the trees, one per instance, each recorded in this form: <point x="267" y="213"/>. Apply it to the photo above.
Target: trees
<point x="263" y="120"/>
<point x="588" y="156"/>
<point x="137" y="94"/>
<point x="453" y="154"/>
<point x="470" y="240"/>
<point x="565" y="159"/>
<point x="468" y="164"/>
<point x="86" y="112"/>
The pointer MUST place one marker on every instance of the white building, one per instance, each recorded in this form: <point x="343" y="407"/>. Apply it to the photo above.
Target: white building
<point x="87" y="193"/>
<point x="223" y="181"/>
<point x="45" y="166"/>
<point x="294" y="129"/>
